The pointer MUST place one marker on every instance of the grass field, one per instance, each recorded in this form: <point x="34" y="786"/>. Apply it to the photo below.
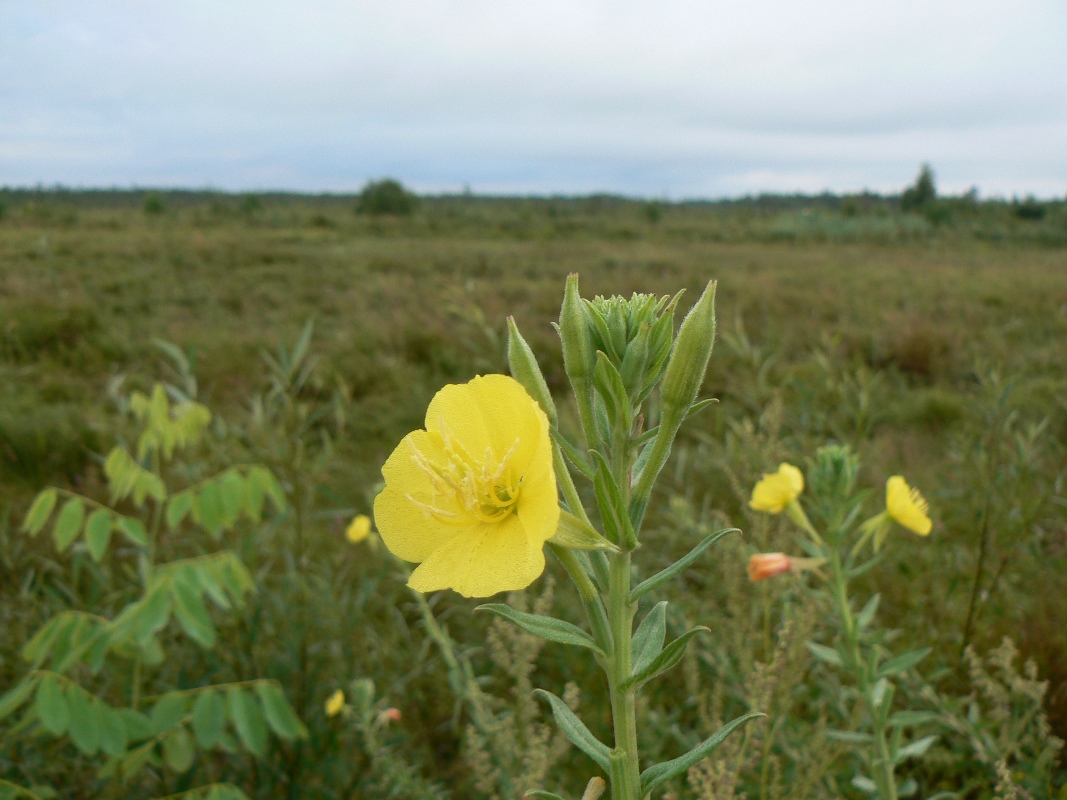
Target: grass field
<point x="935" y="346"/>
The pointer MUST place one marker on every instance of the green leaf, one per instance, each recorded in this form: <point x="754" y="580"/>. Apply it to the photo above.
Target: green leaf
<point x="907" y="719"/>
<point x="609" y="498"/>
<point x="133" y="529"/>
<point x="864" y="618"/>
<point x="576" y="534"/>
<point x="192" y="615"/>
<point x="168" y="712"/>
<point x="661" y="773"/>
<point x="248" y="720"/>
<point x="576" y="731"/>
<point x="177" y="507"/>
<point x="916" y="749"/>
<point x="232" y="496"/>
<point x="280" y="715"/>
<point x="541" y="793"/>
<point x="573" y="454"/>
<point x="17" y="695"/>
<point x="98" y="533"/>
<point x="148" y="615"/>
<point x="208" y="509"/>
<point x="550" y="628"/>
<point x="670" y="656"/>
<point x="85" y="720"/>
<point x="678" y="566"/>
<point x="865" y="784"/>
<point x="827" y="654"/>
<point x="648" y="641"/>
<point x="209" y="719"/>
<point x="51" y="705"/>
<point x="113" y="735"/>
<point x="852" y="737"/>
<point x="40" y="511"/>
<point x="178" y="750"/>
<point x="69" y="523"/>
<point x="903" y="662"/>
<point x="269" y="484"/>
<point x="137" y="724"/>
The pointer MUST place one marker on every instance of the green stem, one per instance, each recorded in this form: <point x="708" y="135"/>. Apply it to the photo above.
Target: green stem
<point x="594" y="607"/>
<point x="882" y="764"/>
<point x="626" y="780"/>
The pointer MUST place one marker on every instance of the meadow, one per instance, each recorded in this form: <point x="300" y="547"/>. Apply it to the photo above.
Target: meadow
<point x="933" y="344"/>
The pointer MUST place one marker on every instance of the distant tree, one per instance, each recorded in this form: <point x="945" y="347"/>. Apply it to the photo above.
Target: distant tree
<point x="920" y="194"/>
<point x="154" y="204"/>
<point x="386" y="197"/>
<point x="250" y="204"/>
<point x="1029" y="209"/>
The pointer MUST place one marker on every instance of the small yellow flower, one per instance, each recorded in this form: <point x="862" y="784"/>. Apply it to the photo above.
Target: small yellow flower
<point x="472" y="498"/>
<point x="907" y="506"/>
<point x="777" y="489"/>
<point x="358" y="529"/>
<point x="335" y="704"/>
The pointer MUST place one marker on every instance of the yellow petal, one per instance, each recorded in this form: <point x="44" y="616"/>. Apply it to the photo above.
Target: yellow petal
<point x="335" y="704"/>
<point x="359" y="529"/>
<point x="538" y="506"/>
<point x="774" y="491"/>
<point x="486" y="559"/>
<point x="907" y="506"/>
<point x="407" y="528"/>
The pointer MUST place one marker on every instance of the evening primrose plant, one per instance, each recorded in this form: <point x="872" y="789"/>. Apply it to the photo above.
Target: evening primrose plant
<point x="838" y="549"/>
<point x="476" y="496"/>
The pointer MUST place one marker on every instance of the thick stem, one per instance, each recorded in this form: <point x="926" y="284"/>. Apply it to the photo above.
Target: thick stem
<point x="626" y="780"/>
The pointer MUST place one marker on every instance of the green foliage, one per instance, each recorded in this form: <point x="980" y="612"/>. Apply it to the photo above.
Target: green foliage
<point x="387" y="196"/>
<point x="154" y="204"/>
<point x="921" y="194"/>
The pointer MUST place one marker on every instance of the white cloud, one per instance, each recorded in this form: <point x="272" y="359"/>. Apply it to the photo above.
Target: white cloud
<point x="674" y="97"/>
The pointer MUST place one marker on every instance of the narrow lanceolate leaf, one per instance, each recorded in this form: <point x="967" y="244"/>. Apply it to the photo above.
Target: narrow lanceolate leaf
<point x="864" y="618"/>
<point x="827" y="654"/>
<point x="98" y="533"/>
<point x="903" y="662"/>
<point x="609" y="498"/>
<point x="51" y="705"/>
<point x="209" y="719"/>
<point x="670" y="656"/>
<point x="550" y="628"/>
<point x="69" y="523"/>
<point x="916" y="748"/>
<point x="648" y="640"/>
<point x="279" y="713"/>
<point x="905" y="719"/>
<point x="576" y="732"/>
<point x="248" y="720"/>
<point x="661" y="773"/>
<point x="39" y="512"/>
<point x="574" y="456"/>
<point x="678" y="566"/>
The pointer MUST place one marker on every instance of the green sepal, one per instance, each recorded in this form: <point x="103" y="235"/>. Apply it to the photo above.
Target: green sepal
<point x="577" y="534"/>
<point x="577" y="733"/>
<point x="667" y="659"/>
<point x="550" y="628"/>
<point x="632" y="369"/>
<point x="661" y="773"/>
<point x="678" y="566"/>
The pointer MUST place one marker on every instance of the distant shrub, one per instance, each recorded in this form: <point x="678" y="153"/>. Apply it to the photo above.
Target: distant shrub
<point x="153" y="204"/>
<point x="250" y="204"/>
<point x="1029" y="209"/>
<point x="653" y="212"/>
<point x="920" y="194"/>
<point x="386" y="197"/>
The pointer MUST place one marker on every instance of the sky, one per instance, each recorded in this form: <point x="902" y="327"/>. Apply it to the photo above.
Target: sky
<point x="670" y="99"/>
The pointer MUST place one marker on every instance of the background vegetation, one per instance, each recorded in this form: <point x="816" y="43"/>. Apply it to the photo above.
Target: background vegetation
<point x="931" y="341"/>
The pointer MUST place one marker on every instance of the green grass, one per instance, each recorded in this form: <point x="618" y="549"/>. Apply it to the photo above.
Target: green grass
<point x="936" y="351"/>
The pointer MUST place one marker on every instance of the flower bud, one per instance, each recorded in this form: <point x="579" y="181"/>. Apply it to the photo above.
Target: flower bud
<point x="525" y="370"/>
<point x="358" y="529"/>
<point x="579" y="354"/>
<point x="389" y="715"/>
<point x="689" y="360"/>
<point x="595" y="788"/>
<point x="767" y="565"/>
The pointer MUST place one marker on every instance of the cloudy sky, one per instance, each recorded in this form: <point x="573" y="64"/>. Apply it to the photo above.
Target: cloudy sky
<point x="662" y="98"/>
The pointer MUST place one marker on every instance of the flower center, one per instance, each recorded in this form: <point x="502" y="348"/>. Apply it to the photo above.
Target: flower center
<point x="467" y="490"/>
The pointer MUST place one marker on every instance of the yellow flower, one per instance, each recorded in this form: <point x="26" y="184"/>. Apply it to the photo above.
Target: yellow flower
<point x="472" y="498"/>
<point x="907" y="506"/>
<point x="335" y="704"/>
<point x="359" y="529"/>
<point x="777" y="489"/>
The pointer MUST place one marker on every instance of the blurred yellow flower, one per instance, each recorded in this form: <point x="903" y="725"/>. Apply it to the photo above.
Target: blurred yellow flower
<point x="472" y="498"/>
<point x="777" y="489"/>
<point x="907" y="506"/>
<point x="358" y="529"/>
<point x="335" y="704"/>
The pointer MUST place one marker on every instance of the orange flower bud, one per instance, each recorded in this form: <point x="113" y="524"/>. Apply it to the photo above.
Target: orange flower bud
<point x="389" y="715"/>
<point x="766" y="565"/>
